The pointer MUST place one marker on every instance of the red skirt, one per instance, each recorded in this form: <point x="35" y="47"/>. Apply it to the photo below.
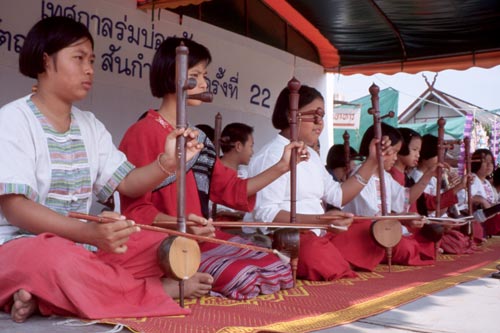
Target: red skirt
<point x="68" y="280"/>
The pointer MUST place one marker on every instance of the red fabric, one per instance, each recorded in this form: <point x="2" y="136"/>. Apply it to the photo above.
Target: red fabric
<point x="358" y="246"/>
<point x="414" y="249"/>
<point x="397" y="175"/>
<point x="142" y="143"/>
<point x="320" y="259"/>
<point x="334" y="255"/>
<point x="455" y="242"/>
<point x="492" y="226"/>
<point x="448" y="199"/>
<point x="69" y="280"/>
<point x="264" y="273"/>
<point x="478" y="232"/>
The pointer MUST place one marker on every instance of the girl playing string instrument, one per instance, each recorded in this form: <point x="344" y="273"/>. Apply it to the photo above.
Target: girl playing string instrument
<point x="484" y="194"/>
<point x="54" y="158"/>
<point x="407" y="159"/>
<point x="237" y="273"/>
<point x="322" y="255"/>
<point x="452" y="240"/>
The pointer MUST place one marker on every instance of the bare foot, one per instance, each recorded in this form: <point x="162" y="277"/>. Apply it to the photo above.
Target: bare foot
<point x="194" y="287"/>
<point x="23" y="307"/>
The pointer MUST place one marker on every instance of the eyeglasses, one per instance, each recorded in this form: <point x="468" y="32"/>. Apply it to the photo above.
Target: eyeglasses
<point x="313" y="116"/>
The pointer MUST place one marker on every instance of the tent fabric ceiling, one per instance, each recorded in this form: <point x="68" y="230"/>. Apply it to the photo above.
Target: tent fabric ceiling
<point x="366" y="36"/>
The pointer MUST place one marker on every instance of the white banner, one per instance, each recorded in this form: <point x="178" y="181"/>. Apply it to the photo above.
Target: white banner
<point x="245" y="76"/>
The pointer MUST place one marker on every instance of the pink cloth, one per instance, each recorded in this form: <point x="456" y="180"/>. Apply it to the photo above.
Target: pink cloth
<point x="69" y="280"/>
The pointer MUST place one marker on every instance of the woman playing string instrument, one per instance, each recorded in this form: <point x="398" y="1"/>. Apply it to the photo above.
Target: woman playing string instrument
<point x="322" y="255"/>
<point x="484" y="194"/>
<point x="237" y="273"/>
<point x="54" y="158"/>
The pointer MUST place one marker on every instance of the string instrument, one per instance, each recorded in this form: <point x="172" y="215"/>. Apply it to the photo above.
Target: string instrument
<point x="237" y="224"/>
<point x="154" y="228"/>
<point x="442" y="146"/>
<point x="288" y="239"/>
<point x="273" y="225"/>
<point x="217" y="134"/>
<point x="443" y="221"/>
<point x="182" y="259"/>
<point x="387" y="232"/>
<point x="347" y="154"/>
<point x="177" y="250"/>
<point x="468" y="162"/>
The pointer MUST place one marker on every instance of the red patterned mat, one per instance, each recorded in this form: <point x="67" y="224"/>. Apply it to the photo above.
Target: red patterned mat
<point x="319" y="305"/>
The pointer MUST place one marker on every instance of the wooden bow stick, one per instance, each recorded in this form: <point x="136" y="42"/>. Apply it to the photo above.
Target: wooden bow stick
<point x="235" y="224"/>
<point x="446" y="221"/>
<point x="102" y="219"/>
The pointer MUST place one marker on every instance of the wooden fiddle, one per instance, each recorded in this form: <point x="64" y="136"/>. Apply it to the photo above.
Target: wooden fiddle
<point x="177" y="250"/>
<point x="386" y="232"/>
<point x="217" y="134"/>
<point x="177" y="256"/>
<point x="103" y="219"/>
<point x="468" y="162"/>
<point x="288" y="239"/>
<point x="347" y="154"/>
<point x="442" y="146"/>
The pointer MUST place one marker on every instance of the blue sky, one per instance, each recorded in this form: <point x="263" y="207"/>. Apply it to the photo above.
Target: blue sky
<point x="478" y="86"/>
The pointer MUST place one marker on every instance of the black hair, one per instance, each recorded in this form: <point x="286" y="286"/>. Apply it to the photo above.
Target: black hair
<point x="336" y="156"/>
<point x="496" y="177"/>
<point x="429" y="147"/>
<point x="387" y="130"/>
<point x="407" y="134"/>
<point x="281" y="108"/>
<point x="208" y="130"/>
<point x="477" y="159"/>
<point x="49" y="36"/>
<point x="162" y="72"/>
<point x="233" y="133"/>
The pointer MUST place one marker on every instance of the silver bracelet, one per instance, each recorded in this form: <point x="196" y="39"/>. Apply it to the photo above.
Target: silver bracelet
<point x="360" y="179"/>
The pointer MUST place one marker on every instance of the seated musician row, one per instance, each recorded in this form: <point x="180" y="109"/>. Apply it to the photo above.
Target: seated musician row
<point x="57" y="155"/>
